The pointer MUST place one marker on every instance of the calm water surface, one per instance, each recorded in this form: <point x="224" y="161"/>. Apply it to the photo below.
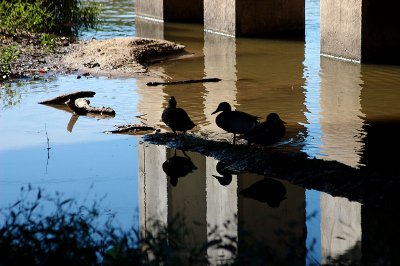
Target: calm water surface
<point x="334" y="110"/>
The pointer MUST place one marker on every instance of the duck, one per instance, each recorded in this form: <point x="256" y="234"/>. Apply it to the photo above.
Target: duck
<point x="235" y="122"/>
<point x="176" y="118"/>
<point x="268" y="190"/>
<point x="176" y="167"/>
<point x="225" y="177"/>
<point x="271" y="131"/>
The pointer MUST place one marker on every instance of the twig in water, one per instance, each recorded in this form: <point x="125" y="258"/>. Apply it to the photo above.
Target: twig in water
<point x="47" y="136"/>
<point x="48" y="147"/>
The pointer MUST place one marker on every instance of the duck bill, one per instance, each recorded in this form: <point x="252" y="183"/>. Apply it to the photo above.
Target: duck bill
<point x="216" y="111"/>
<point x="283" y="121"/>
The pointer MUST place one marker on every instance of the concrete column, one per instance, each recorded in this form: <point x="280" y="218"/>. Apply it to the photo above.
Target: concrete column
<point x="170" y="10"/>
<point x="380" y="31"/>
<point x="361" y="30"/>
<point x="255" y="17"/>
<point x="341" y="28"/>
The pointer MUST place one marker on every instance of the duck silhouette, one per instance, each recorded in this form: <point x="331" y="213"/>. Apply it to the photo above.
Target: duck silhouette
<point x="266" y="190"/>
<point x="235" y="122"/>
<point x="226" y="175"/>
<point x="268" y="132"/>
<point x="176" y="118"/>
<point x="178" y="166"/>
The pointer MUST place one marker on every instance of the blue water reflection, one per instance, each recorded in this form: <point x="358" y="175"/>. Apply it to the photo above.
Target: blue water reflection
<point x="328" y="105"/>
<point x="81" y="156"/>
<point x="314" y="134"/>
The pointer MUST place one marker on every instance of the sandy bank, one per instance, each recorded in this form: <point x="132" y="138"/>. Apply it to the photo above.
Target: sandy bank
<point x="119" y="56"/>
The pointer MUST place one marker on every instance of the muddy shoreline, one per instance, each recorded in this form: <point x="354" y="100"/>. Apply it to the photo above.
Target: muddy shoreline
<point x="117" y="57"/>
<point x="34" y="58"/>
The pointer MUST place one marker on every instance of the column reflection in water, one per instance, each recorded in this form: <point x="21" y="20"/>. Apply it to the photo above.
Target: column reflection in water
<point x="164" y="199"/>
<point x="188" y="197"/>
<point x="340" y="229"/>
<point x="153" y="181"/>
<point x="222" y="204"/>
<point x="341" y="116"/>
<point x="219" y="61"/>
<point x="149" y="29"/>
<point x="153" y="198"/>
<point x="341" y="126"/>
<point x="273" y="211"/>
<point x="152" y="99"/>
<point x="380" y="104"/>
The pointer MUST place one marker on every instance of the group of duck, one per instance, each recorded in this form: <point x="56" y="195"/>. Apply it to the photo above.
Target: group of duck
<point x="248" y="126"/>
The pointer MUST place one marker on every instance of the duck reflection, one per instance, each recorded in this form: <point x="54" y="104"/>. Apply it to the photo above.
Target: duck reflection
<point x="225" y="177"/>
<point x="178" y="166"/>
<point x="266" y="190"/>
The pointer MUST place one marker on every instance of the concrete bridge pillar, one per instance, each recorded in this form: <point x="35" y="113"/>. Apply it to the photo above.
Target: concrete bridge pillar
<point x="361" y="30"/>
<point x="255" y="17"/>
<point x="170" y="10"/>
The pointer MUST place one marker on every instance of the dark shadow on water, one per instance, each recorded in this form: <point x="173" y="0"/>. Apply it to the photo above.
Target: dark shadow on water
<point x="261" y="219"/>
<point x="268" y="190"/>
<point x="382" y="146"/>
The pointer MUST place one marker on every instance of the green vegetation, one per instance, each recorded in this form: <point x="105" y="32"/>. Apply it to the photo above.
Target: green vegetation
<point x="64" y="17"/>
<point x="7" y="56"/>
<point x="20" y="15"/>
<point x="34" y="23"/>
<point x="45" y="230"/>
<point x="48" y="40"/>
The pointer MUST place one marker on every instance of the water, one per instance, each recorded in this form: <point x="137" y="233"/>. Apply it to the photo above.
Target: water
<point x="334" y="110"/>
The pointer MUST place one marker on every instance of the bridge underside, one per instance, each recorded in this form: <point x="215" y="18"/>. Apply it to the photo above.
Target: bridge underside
<point x="356" y="30"/>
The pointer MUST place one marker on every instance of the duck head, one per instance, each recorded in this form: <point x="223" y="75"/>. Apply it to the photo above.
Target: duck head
<point x="172" y="102"/>
<point x="223" y="107"/>
<point x="274" y="118"/>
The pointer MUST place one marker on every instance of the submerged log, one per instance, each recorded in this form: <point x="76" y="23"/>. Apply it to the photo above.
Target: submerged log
<point x="377" y="189"/>
<point x="82" y="107"/>
<point x="183" y="81"/>
<point x="62" y="99"/>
